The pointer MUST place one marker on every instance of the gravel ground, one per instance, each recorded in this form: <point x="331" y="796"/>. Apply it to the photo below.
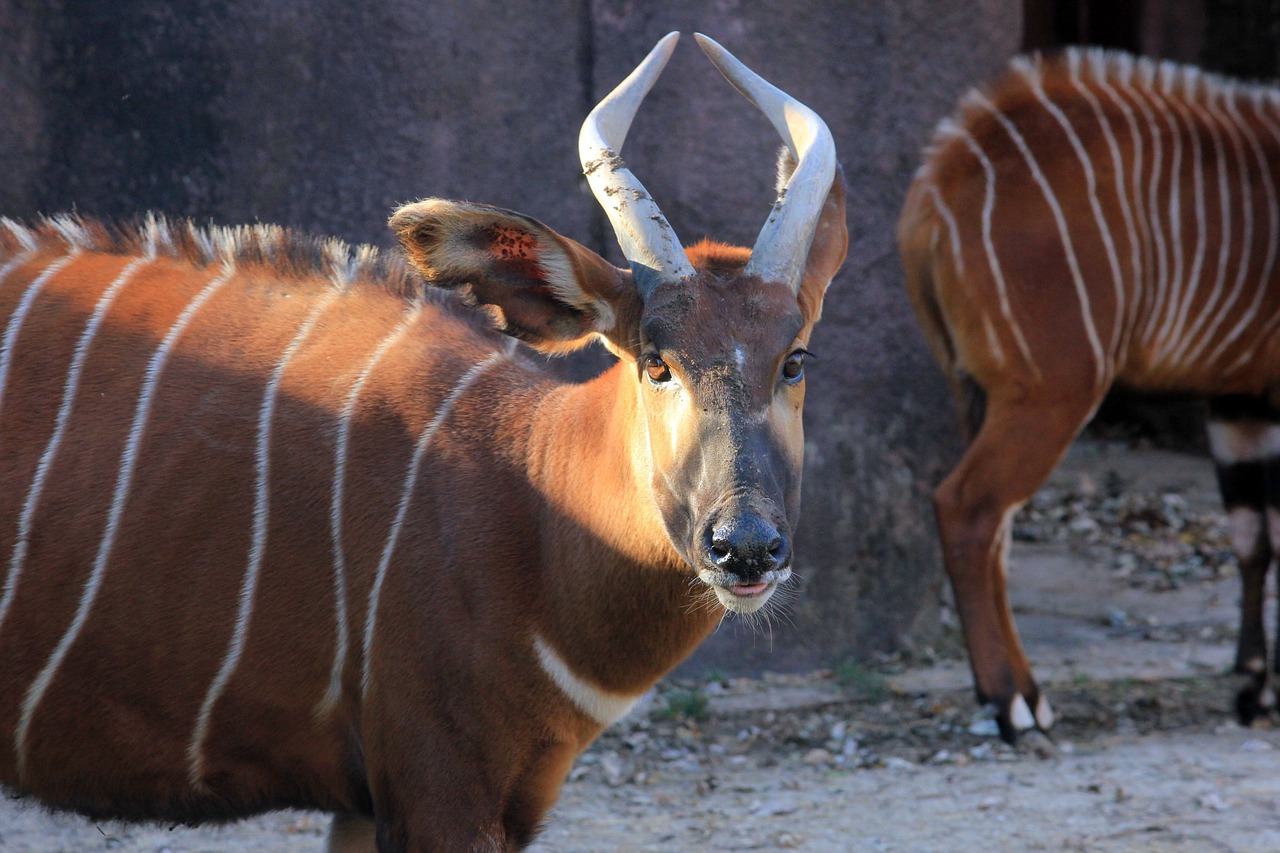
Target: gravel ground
<point x="1127" y="608"/>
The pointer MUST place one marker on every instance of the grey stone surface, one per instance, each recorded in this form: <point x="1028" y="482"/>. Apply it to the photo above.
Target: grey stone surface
<point x="324" y="115"/>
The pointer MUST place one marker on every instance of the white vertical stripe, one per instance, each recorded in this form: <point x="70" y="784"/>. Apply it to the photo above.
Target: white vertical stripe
<point x="124" y="479"/>
<point x="1172" y="334"/>
<point x="69" y="389"/>
<point x="1210" y="334"/>
<point x="603" y="706"/>
<point x="19" y="315"/>
<point x="258" y="546"/>
<point x="1142" y="253"/>
<point x="1167" y="302"/>
<point x="1224" y="246"/>
<point x="988" y="206"/>
<point x="402" y="509"/>
<point x="10" y="583"/>
<point x="1259" y="110"/>
<point x="1086" y="312"/>
<point x="1099" y="217"/>
<point x="336" y="508"/>
<point x="1122" y="198"/>
<point x="954" y="232"/>
<point x="13" y="263"/>
<point x="1273" y="233"/>
<point x="1152" y="294"/>
<point x="993" y="342"/>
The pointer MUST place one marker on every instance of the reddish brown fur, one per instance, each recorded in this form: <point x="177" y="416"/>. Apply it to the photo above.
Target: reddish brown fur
<point x="527" y="520"/>
<point x="1033" y="364"/>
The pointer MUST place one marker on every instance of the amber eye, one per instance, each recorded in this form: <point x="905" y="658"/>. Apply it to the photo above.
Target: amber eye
<point x="657" y="370"/>
<point x="793" y="367"/>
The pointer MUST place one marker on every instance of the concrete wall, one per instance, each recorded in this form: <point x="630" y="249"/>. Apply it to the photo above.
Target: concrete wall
<point x="324" y="115"/>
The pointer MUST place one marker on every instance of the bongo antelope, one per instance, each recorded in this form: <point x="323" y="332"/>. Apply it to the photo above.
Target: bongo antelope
<point x="281" y="529"/>
<point x="1092" y="220"/>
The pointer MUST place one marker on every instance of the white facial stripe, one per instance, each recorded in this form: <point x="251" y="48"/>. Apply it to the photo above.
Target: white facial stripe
<point x="597" y="703"/>
<point x="124" y="480"/>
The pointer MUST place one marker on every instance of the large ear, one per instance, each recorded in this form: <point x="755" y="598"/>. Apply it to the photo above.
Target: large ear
<point x="542" y="288"/>
<point x="829" y="246"/>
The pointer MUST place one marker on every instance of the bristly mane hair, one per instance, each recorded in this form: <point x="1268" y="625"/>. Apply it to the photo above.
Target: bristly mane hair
<point x="1112" y="68"/>
<point x="269" y="248"/>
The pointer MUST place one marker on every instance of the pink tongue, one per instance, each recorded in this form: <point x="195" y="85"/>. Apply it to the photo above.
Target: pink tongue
<point x="748" y="589"/>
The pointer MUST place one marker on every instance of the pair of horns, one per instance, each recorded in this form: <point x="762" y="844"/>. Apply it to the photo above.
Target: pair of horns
<point x="646" y="238"/>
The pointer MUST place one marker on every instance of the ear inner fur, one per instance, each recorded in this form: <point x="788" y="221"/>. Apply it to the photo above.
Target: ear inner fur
<point x="541" y="287"/>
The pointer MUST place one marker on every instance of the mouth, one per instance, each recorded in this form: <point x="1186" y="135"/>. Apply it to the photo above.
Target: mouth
<point x="744" y="597"/>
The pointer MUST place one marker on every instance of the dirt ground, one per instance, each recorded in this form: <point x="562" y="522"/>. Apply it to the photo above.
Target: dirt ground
<point x="1128" y="610"/>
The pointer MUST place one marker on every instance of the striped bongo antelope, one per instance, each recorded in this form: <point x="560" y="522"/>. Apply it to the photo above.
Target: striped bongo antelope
<point x="281" y="530"/>
<point x="1096" y="219"/>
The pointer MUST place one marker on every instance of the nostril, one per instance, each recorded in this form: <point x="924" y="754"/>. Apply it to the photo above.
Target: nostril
<point x="746" y="544"/>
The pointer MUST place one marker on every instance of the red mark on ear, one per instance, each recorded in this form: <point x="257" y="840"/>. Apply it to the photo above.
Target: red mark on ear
<point x="514" y="249"/>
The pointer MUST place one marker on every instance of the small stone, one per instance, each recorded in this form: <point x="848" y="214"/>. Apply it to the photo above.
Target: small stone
<point x="981" y="752"/>
<point x="613" y="768"/>
<point x="984" y="727"/>
<point x="775" y="807"/>
<point x="1213" y="802"/>
<point x="817" y="757"/>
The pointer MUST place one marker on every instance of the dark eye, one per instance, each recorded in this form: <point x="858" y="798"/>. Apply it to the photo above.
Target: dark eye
<point x="793" y="367"/>
<point x="656" y="369"/>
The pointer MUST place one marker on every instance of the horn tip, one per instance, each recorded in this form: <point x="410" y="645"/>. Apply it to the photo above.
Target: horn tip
<point x="666" y="45"/>
<point x="730" y="66"/>
<point x="707" y="43"/>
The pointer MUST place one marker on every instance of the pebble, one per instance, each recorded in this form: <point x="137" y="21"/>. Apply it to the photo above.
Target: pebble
<point x="817" y="757"/>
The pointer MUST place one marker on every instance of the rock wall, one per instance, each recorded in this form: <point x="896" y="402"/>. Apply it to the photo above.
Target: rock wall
<point x="325" y="115"/>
